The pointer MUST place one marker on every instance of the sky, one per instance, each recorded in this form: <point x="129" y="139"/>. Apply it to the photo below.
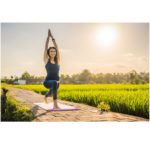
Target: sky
<point x="98" y="47"/>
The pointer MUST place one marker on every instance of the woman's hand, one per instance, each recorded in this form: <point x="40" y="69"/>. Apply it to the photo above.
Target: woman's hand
<point x="49" y="33"/>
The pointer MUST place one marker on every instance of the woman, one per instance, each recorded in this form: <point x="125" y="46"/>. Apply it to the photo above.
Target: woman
<point x="52" y="65"/>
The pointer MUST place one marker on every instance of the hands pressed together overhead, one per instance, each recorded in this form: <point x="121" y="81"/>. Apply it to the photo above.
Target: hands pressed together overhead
<point x="50" y="34"/>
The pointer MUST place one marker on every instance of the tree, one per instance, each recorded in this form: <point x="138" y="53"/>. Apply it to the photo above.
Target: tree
<point x="85" y="76"/>
<point x="25" y="76"/>
<point x="133" y="76"/>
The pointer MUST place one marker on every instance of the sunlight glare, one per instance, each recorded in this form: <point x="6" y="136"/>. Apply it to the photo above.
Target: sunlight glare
<point x="106" y="36"/>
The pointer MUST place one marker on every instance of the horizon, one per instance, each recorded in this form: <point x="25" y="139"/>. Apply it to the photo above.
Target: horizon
<point x="79" y="73"/>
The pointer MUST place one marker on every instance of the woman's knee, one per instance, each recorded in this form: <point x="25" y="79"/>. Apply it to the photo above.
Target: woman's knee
<point x="48" y="83"/>
<point x="51" y="84"/>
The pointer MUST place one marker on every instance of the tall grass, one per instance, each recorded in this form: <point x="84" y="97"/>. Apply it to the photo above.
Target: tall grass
<point x="124" y="98"/>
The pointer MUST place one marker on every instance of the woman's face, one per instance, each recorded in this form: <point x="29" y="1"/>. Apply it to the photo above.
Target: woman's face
<point x="52" y="53"/>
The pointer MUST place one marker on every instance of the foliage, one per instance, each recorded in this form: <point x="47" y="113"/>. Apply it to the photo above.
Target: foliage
<point x="102" y="106"/>
<point x="124" y="98"/>
<point x="86" y="77"/>
<point x="13" y="110"/>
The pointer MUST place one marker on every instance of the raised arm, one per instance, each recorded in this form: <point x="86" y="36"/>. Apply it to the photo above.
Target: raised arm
<point x="56" y="46"/>
<point x="46" y="47"/>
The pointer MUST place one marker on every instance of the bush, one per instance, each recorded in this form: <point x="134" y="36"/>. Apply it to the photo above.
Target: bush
<point x="102" y="106"/>
<point x="14" y="110"/>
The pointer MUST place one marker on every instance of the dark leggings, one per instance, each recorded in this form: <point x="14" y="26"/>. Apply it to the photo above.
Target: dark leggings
<point x="53" y="86"/>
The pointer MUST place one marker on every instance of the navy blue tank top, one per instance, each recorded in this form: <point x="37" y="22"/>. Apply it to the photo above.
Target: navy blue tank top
<point x="52" y="71"/>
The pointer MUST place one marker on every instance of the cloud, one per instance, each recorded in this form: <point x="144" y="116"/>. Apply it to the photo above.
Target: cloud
<point x="28" y="63"/>
<point x="121" y="66"/>
<point x="143" y="58"/>
<point x="128" y="55"/>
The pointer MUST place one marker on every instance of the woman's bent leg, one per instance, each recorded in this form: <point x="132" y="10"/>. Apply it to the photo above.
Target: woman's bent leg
<point x="49" y="93"/>
<point x="48" y="84"/>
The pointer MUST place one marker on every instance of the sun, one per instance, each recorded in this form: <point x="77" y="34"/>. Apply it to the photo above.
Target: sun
<point x="106" y="36"/>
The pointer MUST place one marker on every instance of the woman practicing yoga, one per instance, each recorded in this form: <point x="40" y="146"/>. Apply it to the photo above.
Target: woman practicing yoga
<point x="52" y="65"/>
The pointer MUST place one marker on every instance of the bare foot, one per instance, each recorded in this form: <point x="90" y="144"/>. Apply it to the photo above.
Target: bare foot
<point x="56" y="107"/>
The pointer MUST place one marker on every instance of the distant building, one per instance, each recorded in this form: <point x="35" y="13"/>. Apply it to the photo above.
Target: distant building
<point x="20" y="82"/>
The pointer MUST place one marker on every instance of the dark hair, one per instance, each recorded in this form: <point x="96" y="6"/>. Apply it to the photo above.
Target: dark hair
<point x="56" y="59"/>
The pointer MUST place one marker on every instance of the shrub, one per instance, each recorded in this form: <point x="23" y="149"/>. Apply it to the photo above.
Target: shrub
<point x="14" y="110"/>
<point x="102" y="106"/>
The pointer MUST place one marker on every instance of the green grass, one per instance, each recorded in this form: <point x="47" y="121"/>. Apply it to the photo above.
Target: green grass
<point x="124" y="98"/>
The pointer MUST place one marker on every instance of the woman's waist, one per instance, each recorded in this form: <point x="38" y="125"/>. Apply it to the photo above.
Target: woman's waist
<point x="52" y="78"/>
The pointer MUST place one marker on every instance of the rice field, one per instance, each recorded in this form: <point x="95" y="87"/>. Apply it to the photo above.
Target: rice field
<point x="123" y="98"/>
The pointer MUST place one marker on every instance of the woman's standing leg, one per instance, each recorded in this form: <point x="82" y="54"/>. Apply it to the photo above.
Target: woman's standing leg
<point x="55" y="89"/>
